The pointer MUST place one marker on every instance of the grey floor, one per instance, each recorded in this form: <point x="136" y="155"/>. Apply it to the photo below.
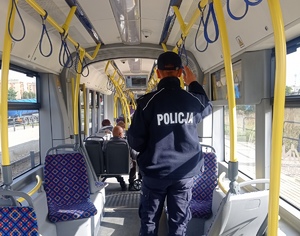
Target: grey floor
<point x="121" y="212"/>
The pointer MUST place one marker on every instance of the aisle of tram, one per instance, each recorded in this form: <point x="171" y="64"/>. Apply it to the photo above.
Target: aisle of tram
<point x="121" y="212"/>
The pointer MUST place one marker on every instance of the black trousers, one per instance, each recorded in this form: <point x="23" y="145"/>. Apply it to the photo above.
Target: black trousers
<point x="177" y="193"/>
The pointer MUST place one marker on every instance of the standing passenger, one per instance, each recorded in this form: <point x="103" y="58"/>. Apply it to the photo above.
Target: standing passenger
<point x="164" y="131"/>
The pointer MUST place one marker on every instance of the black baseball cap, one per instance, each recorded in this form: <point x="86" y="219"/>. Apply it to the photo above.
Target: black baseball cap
<point x="168" y="61"/>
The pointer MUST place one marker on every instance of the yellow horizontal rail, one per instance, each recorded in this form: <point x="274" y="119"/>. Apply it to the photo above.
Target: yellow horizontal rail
<point x="220" y="182"/>
<point x="64" y="29"/>
<point x="34" y="189"/>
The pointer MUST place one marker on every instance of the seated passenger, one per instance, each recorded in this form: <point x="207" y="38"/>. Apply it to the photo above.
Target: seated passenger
<point x="118" y="133"/>
<point x="121" y="123"/>
<point x="106" y="125"/>
<point x="120" y="118"/>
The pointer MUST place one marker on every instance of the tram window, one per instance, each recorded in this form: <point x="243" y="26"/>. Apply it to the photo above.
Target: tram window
<point x="290" y="160"/>
<point x="292" y="70"/>
<point x="98" y="107"/>
<point x="91" y="103"/>
<point x="293" y="73"/>
<point x="101" y="98"/>
<point x="23" y="123"/>
<point x="245" y="148"/>
<point x="82" y="119"/>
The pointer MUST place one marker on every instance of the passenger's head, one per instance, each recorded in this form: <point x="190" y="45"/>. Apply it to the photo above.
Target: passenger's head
<point x="169" y="64"/>
<point x="121" y="123"/>
<point x="121" y="118"/>
<point x="118" y="131"/>
<point x="106" y="122"/>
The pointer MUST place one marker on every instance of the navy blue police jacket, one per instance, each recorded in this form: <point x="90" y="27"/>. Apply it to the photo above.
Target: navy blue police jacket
<point x="164" y="130"/>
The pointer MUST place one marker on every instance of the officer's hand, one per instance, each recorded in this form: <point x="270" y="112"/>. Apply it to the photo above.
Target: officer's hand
<point x="188" y="75"/>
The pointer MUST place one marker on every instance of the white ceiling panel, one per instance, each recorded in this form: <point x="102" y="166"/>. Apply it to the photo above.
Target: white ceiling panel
<point x="155" y="27"/>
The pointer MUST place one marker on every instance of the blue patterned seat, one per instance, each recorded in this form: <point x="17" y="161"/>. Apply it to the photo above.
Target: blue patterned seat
<point x="18" y="221"/>
<point x="15" y="219"/>
<point x="204" y="185"/>
<point x="67" y="187"/>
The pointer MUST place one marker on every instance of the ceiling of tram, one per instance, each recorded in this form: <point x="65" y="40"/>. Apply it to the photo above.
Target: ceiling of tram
<point x="156" y="26"/>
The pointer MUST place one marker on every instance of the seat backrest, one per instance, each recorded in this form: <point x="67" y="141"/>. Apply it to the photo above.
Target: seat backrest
<point x="117" y="157"/>
<point x="206" y="181"/>
<point x="17" y="220"/>
<point x="93" y="147"/>
<point x="66" y="179"/>
<point x="240" y="214"/>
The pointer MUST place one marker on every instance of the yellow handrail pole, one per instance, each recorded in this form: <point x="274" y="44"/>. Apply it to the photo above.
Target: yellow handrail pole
<point x="229" y="77"/>
<point x="126" y="111"/>
<point x="179" y="18"/>
<point x="85" y="107"/>
<point x="185" y="29"/>
<point x="73" y="92"/>
<point x="133" y="103"/>
<point x="75" y="104"/>
<point x="115" y="106"/>
<point x="68" y="20"/>
<point x="192" y="21"/>
<point x="151" y="83"/>
<point x="123" y="106"/>
<point x="164" y="47"/>
<point x="34" y="189"/>
<point x="94" y="53"/>
<point x="119" y="85"/>
<point x="181" y="81"/>
<point x="278" y="117"/>
<point x="4" y="86"/>
<point x="123" y="99"/>
<point x="106" y="67"/>
<point x="52" y="22"/>
<point x="220" y="182"/>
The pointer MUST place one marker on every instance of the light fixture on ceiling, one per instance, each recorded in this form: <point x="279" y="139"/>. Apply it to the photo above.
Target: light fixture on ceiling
<point x="128" y="19"/>
<point x="134" y="65"/>
<point x="146" y="33"/>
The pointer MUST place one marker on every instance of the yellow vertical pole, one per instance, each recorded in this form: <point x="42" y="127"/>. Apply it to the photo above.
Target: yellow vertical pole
<point x="116" y="105"/>
<point x="4" y="83"/>
<point x="278" y="117"/>
<point x="85" y="107"/>
<point x="73" y="91"/>
<point x="229" y="77"/>
<point x="75" y="102"/>
<point x="126" y="111"/>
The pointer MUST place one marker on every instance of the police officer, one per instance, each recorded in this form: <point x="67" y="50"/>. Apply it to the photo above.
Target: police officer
<point x="164" y="131"/>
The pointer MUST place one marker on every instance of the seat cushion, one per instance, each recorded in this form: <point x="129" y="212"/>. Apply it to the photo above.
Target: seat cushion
<point x="201" y="208"/>
<point x="84" y="209"/>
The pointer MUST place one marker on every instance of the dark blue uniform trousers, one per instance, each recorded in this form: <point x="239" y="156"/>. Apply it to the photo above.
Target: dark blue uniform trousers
<point x="177" y="193"/>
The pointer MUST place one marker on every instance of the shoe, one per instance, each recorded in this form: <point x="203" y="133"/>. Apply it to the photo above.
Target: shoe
<point x="131" y="188"/>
